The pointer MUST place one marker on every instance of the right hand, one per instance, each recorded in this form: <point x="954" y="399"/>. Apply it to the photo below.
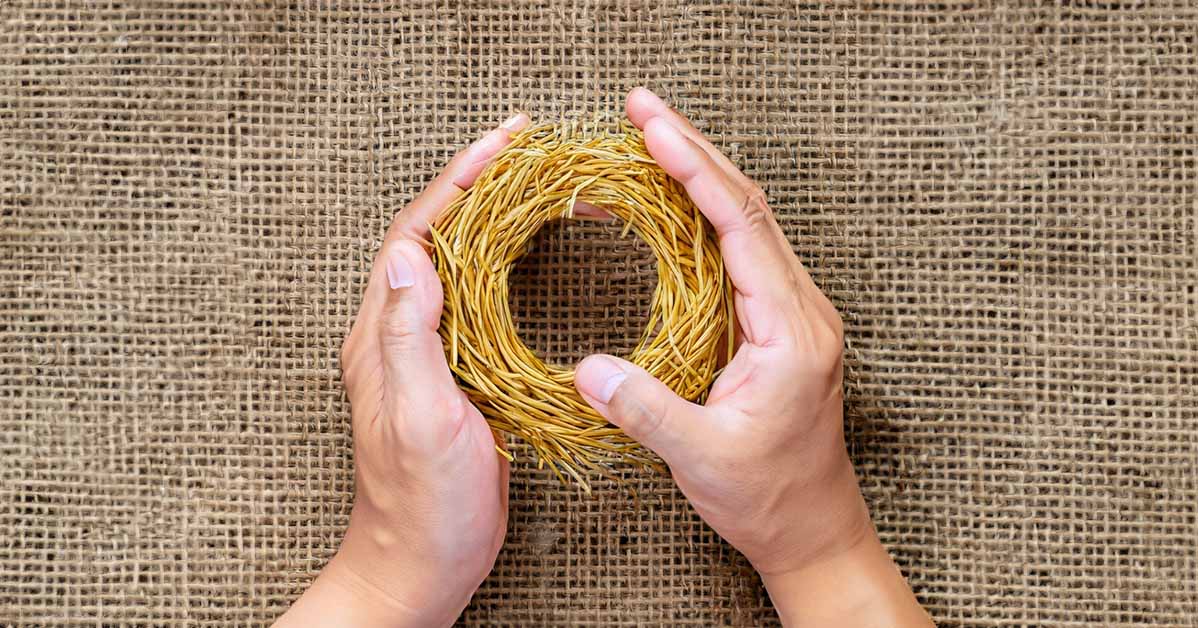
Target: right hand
<point x="764" y="461"/>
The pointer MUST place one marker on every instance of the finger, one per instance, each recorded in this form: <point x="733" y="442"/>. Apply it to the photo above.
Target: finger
<point x="636" y="402"/>
<point x="743" y="222"/>
<point x="413" y="222"/>
<point x="587" y="210"/>
<point x="643" y="105"/>
<point x="416" y="375"/>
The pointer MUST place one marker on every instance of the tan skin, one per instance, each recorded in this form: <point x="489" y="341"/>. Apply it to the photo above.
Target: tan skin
<point x="763" y="461"/>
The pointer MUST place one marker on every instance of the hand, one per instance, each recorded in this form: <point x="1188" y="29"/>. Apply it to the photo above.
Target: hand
<point x="431" y="492"/>
<point x="764" y="462"/>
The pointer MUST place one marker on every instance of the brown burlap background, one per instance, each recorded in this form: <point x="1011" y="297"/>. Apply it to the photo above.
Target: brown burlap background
<point x="1000" y="197"/>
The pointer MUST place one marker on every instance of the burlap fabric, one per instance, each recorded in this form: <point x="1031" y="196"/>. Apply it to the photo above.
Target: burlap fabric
<point x="999" y="197"/>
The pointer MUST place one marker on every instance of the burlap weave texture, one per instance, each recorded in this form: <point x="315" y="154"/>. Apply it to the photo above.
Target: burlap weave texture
<point x="1000" y="197"/>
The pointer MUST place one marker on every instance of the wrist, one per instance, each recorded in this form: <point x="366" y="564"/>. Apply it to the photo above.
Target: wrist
<point x="859" y="586"/>
<point x="340" y="597"/>
<point x="825" y="516"/>
<point x="388" y="570"/>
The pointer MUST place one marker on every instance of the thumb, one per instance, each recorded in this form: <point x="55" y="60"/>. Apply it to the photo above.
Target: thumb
<point x="638" y="403"/>
<point x="413" y="305"/>
<point x="413" y="356"/>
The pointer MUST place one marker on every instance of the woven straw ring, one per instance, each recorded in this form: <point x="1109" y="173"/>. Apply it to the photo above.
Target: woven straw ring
<point x="478" y="240"/>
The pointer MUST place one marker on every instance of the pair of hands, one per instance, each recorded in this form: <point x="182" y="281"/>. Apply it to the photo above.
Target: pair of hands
<point x="763" y="462"/>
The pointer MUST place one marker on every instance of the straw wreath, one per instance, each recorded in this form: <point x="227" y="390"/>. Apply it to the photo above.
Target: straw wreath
<point x="538" y="178"/>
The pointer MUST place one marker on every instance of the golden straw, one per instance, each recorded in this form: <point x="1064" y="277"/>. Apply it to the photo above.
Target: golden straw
<point x="538" y="178"/>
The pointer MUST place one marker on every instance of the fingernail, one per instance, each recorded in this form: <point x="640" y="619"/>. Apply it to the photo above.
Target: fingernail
<point x="610" y="385"/>
<point x="399" y="271"/>
<point x="515" y="123"/>
<point x="583" y="208"/>
<point x="600" y="378"/>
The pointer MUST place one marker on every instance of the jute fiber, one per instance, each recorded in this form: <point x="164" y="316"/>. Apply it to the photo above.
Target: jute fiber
<point x="1000" y="197"/>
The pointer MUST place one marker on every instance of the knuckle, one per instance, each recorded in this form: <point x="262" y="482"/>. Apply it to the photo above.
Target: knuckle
<point x="794" y="282"/>
<point x="397" y="330"/>
<point x="829" y="348"/>
<point x="448" y="415"/>
<point x="807" y="354"/>
<point x="352" y="368"/>
<point x="829" y="335"/>
<point x="450" y="409"/>
<point x="641" y="419"/>
<point x="430" y="419"/>
<point x="836" y="324"/>
<point x="796" y="265"/>
<point x="347" y="352"/>
<point x="757" y="212"/>
<point x="397" y="228"/>
<point x="754" y="191"/>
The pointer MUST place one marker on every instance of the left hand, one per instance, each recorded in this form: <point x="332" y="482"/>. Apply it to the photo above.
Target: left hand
<point x="431" y="492"/>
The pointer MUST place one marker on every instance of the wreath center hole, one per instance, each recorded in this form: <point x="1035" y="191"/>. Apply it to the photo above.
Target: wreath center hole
<point x="582" y="288"/>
